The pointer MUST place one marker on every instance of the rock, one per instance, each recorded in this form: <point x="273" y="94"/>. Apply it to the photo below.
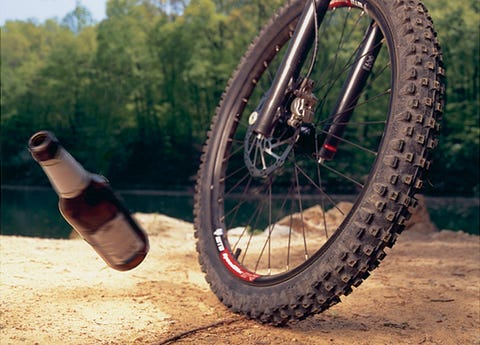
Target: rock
<point x="314" y="214"/>
<point x="309" y="221"/>
<point x="153" y="223"/>
<point x="159" y="224"/>
<point x="314" y="218"/>
<point x="420" y="219"/>
<point x="278" y="231"/>
<point x="238" y="231"/>
<point x="337" y="214"/>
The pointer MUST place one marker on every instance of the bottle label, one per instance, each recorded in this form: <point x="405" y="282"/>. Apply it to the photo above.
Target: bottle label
<point x="116" y="241"/>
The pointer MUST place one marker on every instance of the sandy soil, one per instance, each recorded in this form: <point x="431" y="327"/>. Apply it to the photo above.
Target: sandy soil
<point x="427" y="291"/>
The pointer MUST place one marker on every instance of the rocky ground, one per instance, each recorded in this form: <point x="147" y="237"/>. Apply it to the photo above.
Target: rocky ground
<point x="426" y="291"/>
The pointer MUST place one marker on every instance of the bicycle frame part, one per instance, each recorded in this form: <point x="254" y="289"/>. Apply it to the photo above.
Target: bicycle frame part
<point x="294" y="58"/>
<point x="351" y="91"/>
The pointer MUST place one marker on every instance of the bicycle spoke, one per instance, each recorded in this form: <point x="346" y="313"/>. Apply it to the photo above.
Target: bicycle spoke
<point x="300" y="208"/>
<point x="341" y="174"/>
<point x="310" y="203"/>
<point x="374" y="153"/>
<point x="277" y="164"/>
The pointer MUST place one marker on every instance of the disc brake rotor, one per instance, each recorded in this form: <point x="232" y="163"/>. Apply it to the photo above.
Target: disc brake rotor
<point x="263" y="155"/>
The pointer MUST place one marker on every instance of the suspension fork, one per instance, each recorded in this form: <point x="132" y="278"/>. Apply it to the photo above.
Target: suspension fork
<point x="293" y="60"/>
<point x="351" y="91"/>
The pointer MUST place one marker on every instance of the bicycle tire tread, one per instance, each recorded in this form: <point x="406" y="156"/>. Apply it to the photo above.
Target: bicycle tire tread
<point x="381" y="216"/>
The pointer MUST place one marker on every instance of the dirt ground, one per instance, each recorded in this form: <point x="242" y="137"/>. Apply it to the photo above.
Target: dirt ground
<point x="426" y="291"/>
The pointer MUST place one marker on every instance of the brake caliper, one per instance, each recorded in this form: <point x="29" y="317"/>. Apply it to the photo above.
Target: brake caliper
<point x="303" y="105"/>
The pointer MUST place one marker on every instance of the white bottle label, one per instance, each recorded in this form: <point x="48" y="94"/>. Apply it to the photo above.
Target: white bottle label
<point x="117" y="241"/>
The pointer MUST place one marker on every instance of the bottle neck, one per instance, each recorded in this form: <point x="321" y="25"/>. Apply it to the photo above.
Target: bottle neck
<point x="66" y="175"/>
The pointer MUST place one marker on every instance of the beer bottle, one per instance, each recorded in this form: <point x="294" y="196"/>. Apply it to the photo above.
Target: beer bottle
<point x="89" y="205"/>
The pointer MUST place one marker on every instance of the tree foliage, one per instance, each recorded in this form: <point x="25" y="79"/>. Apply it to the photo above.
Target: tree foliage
<point x="132" y="96"/>
<point x="456" y="168"/>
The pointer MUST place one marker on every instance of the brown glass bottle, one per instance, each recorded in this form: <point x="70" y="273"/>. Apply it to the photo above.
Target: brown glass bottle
<point x="90" y="206"/>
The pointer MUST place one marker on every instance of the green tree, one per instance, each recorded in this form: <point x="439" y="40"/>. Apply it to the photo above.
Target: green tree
<point x="133" y="96"/>
<point x="78" y="19"/>
<point x="27" y="50"/>
<point x="457" y="159"/>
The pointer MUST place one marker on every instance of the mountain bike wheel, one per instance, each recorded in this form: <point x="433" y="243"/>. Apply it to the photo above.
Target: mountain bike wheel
<point x="275" y="236"/>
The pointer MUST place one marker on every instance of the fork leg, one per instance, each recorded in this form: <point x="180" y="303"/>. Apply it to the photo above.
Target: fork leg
<point x="351" y="91"/>
<point x="293" y="60"/>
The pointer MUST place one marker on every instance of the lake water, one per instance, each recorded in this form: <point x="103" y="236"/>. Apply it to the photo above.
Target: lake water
<point x="34" y="211"/>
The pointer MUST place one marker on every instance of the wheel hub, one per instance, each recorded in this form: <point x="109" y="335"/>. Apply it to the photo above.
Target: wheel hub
<point x="264" y="155"/>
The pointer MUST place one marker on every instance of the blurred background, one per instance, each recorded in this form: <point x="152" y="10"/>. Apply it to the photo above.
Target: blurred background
<point x="129" y="88"/>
